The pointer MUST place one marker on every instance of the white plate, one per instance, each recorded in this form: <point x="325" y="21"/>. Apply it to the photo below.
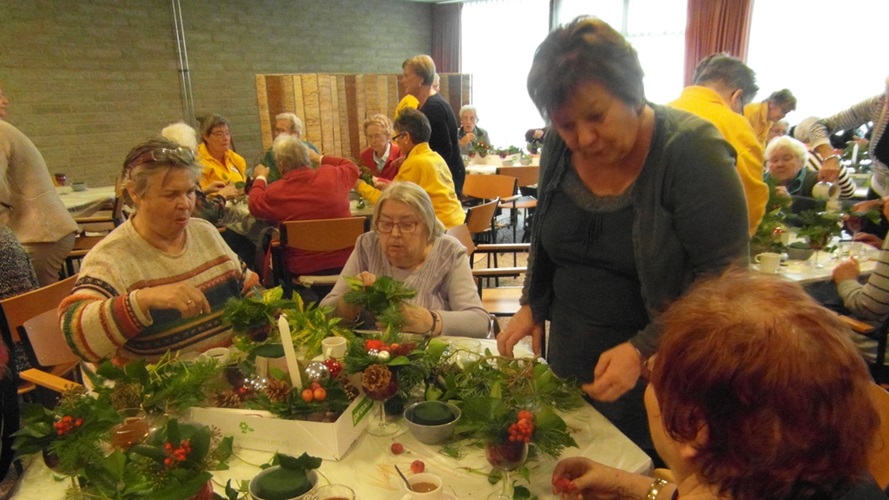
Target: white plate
<point x="446" y="496"/>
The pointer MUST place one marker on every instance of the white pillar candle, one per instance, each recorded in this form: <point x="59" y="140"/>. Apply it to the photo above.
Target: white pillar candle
<point x="289" y="352"/>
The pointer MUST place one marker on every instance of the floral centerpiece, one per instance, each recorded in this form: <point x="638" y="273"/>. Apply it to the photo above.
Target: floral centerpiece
<point x="479" y="147"/>
<point x="76" y="437"/>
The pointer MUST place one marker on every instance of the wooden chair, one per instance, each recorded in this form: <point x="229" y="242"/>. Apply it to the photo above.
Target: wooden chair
<point x="93" y="229"/>
<point x="498" y="301"/>
<point x="21" y="309"/>
<point x="526" y="176"/>
<point x="481" y="188"/>
<point x="319" y="235"/>
<point x="480" y="220"/>
<point x="878" y="333"/>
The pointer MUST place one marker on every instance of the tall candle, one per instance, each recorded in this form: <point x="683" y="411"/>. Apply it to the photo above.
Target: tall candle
<point x="289" y="352"/>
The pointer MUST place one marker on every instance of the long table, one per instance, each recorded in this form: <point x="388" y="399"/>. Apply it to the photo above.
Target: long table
<point x="806" y="272"/>
<point x="85" y="203"/>
<point x="369" y="466"/>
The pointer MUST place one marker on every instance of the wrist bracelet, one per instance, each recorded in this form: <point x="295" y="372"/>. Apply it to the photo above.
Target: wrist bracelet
<point x="431" y="331"/>
<point x="831" y="157"/>
<point x="656" y="486"/>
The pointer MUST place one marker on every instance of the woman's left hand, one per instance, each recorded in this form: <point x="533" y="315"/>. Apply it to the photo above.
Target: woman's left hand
<point x="616" y="373"/>
<point x="416" y="319"/>
<point x="846" y="270"/>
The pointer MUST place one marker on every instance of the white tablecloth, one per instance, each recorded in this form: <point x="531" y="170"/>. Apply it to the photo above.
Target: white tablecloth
<point x="369" y="469"/>
<point x="805" y="271"/>
<point x="85" y="203"/>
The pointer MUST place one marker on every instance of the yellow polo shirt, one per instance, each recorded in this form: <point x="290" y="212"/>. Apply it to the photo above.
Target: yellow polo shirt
<point x="757" y="113"/>
<point x="233" y="171"/>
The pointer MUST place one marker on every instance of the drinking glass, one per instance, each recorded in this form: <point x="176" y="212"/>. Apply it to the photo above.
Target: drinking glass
<point x="380" y="426"/>
<point x="506" y="456"/>
<point x="133" y="430"/>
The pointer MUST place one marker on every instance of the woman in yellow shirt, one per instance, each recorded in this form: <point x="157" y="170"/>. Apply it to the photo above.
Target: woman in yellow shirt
<point x="222" y="167"/>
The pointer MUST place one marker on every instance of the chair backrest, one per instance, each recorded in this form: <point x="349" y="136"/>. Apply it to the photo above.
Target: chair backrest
<point x="322" y="235"/>
<point x="463" y="234"/>
<point x="43" y="338"/>
<point x="526" y="175"/>
<point x="479" y="217"/>
<point x="488" y="187"/>
<point x="16" y="310"/>
<point x="878" y="460"/>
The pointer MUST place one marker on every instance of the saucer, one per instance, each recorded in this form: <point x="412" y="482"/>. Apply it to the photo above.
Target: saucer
<point x="446" y="496"/>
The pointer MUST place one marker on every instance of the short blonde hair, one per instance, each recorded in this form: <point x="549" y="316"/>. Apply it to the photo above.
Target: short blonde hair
<point x="378" y="119"/>
<point x="423" y="66"/>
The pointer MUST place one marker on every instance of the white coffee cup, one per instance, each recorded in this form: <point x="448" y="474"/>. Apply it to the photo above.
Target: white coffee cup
<point x="334" y="347"/>
<point x="425" y="477"/>
<point x="768" y="262"/>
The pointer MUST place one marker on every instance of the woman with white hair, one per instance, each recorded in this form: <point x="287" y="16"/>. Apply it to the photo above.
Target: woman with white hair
<point x="785" y="159"/>
<point x="469" y="130"/>
<point x="285" y="124"/>
<point x="408" y="243"/>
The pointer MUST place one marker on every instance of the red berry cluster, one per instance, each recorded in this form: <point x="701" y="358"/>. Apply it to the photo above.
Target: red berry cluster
<point x="67" y="424"/>
<point x="176" y="455"/>
<point x="394" y="349"/>
<point x="523" y="428"/>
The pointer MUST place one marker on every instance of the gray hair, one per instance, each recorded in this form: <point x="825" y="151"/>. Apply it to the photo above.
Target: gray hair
<point x="296" y="125"/>
<point x="785" y="141"/>
<point x="154" y="155"/>
<point x="182" y="134"/>
<point x="415" y="124"/>
<point x="290" y="153"/>
<point x="211" y="121"/>
<point x="803" y="130"/>
<point x="417" y="199"/>
<point x="467" y="109"/>
<point x="729" y="71"/>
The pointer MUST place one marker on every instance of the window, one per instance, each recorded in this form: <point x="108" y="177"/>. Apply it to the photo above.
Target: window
<point x="830" y="56"/>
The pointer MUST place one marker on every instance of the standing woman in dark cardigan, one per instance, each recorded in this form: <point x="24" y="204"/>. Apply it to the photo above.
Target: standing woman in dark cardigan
<point x="419" y="73"/>
<point x="636" y="202"/>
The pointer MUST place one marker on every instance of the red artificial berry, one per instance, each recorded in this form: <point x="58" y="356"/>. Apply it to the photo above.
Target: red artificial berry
<point x="397" y="448"/>
<point x="67" y="418"/>
<point x="168" y="446"/>
<point x="417" y="466"/>
<point x="564" y="485"/>
<point x="78" y="422"/>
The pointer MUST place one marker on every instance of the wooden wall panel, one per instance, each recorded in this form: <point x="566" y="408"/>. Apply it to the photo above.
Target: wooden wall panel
<point x="333" y="106"/>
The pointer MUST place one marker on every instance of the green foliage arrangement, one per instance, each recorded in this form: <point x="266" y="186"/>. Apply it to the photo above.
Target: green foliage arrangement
<point x="768" y="235"/>
<point x="819" y="228"/>
<point x="257" y="311"/>
<point x="383" y="299"/>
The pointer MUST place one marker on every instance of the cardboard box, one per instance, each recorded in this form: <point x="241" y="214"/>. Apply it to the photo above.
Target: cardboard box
<point x="261" y="430"/>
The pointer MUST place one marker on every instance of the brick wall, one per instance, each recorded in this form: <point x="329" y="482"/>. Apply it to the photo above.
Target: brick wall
<point x="88" y="80"/>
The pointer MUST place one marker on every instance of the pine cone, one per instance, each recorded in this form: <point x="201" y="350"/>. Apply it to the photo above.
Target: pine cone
<point x="277" y="390"/>
<point x="350" y="390"/>
<point x="227" y="399"/>
<point x="378" y="382"/>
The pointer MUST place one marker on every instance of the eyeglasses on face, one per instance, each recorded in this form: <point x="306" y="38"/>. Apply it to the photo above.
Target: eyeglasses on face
<point x="406" y="226"/>
<point x="219" y="134"/>
<point x="396" y="136"/>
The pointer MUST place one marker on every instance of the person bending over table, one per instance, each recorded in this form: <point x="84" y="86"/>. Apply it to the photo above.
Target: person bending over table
<point x="779" y="409"/>
<point x="305" y="193"/>
<point x="423" y="166"/>
<point x="636" y="202"/>
<point x="408" y="243"/>
<point x="871" y="300"/>
<point x="158" y="282"/>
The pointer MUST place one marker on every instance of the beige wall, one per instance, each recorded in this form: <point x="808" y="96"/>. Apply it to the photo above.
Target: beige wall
<point x="89" y="79"/>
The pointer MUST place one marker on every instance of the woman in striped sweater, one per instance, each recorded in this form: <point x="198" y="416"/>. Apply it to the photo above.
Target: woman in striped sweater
<point x="160" y="281"/>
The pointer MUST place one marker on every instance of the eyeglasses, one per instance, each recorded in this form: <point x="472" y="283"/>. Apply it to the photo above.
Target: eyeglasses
<point x="407" y="226"/>
<point x="178" y="156"/>
<point x="396" y="136"/>
<point x="219" y="134"/>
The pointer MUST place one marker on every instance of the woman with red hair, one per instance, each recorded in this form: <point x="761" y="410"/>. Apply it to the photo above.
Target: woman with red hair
<point x="755" y="393"/>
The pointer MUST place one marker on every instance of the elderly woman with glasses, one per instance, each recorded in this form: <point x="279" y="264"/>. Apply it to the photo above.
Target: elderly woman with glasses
<point x="223" y="169"/>
<point x="159" y="282"/>
<point x="408" y="244"/>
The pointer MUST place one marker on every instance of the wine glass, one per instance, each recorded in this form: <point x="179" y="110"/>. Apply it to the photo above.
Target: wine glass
<point x="506" y="456"/>
<point x="134" y="428"/>
<point x="816" y="243"/>
<point x="381" y="426"/>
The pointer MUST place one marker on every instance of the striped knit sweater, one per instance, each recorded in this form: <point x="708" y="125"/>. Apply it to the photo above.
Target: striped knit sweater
<point x="102" y="317"/>
<point x="871" y="300"/>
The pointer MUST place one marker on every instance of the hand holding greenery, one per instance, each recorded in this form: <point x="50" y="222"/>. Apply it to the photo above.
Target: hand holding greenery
<point x="383" y="299"/>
